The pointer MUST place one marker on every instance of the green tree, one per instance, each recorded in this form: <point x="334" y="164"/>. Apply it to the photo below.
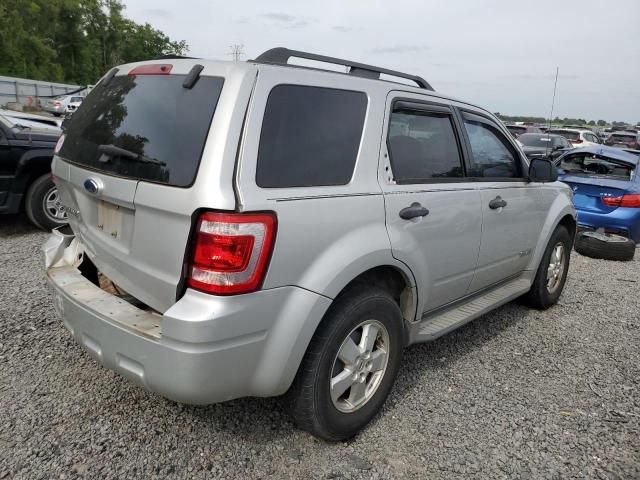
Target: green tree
<point x="601" y="123"/>
<point x="74" y="41"/>
<point x="591" y="122"/>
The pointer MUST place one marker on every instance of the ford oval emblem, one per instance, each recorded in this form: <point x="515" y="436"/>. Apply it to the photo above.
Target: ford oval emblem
<point x="93" y="186"/>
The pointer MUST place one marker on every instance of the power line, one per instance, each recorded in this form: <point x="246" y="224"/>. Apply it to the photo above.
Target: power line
<point x="236" y="51"/>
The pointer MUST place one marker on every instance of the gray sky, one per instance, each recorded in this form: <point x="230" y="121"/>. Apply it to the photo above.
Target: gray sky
<point x="501" y="54"/>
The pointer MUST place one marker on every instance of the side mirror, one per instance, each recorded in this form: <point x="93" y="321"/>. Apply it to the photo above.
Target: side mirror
<point x="542" y="171"/>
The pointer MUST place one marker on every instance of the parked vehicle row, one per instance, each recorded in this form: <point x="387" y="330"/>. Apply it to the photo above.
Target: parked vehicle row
<point x="284" y="240"/>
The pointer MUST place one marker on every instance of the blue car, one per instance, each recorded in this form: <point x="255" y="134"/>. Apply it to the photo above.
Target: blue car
<point x="606" y="188"/>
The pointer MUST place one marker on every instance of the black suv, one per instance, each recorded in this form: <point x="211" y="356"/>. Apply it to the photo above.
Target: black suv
<point x="25" y="173"/>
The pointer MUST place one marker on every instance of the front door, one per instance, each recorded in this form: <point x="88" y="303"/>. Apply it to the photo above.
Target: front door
<point x="433" y="212"/>
<point x="512" y="215"/>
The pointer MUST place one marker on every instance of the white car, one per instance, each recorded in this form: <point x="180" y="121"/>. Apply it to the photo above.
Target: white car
<point x="577" y="137"/>
<point x="63" y="104"/>
<point x="44" y="122"/>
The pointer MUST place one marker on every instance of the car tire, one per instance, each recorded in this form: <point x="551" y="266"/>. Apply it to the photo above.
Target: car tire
<point x="331" y="363"/>
<point x="43" y="192"/>
<point x="552" y="273"/>
<point x="606" y="246"/>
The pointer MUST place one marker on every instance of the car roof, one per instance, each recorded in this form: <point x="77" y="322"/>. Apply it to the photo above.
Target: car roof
<point x="562" y="129"/>
<point x="542" y="134"/>
<point x="611" y="152"/>
<point x="184" y="64"/>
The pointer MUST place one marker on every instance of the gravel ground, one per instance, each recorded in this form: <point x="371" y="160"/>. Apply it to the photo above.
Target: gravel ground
<point x="515" y="394"/>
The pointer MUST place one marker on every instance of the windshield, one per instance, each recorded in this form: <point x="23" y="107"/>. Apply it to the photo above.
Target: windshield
<point x="596" y="166"/>
<point x="568" y="134"/>
<point x="152" y="117"/>
<point x="531" y="140"/>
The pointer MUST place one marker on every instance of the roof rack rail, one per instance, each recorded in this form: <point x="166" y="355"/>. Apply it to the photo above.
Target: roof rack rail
<point x="280" y="56"/>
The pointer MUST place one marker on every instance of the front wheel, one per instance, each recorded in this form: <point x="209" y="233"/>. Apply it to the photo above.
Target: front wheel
<point x="350" y="365"/>
<point x="552" y="272"/>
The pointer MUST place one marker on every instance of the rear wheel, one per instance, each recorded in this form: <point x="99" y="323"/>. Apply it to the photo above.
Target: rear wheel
<point x="42" y="204"/>
<point x="350" y="365"/>
<point x="552" y="272"/>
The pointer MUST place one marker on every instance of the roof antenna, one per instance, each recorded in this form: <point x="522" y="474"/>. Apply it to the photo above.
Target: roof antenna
<point x="553" y="101"/>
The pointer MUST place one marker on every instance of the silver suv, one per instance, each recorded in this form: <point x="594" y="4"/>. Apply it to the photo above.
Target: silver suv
<point x="260" y="228"/>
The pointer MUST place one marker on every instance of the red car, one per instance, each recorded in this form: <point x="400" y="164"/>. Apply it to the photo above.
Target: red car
<point x="517" y="130"/>
<point x="624" y="140"/>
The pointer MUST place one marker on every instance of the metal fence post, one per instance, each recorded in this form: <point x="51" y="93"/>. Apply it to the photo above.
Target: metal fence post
<point x="15" y="83"/>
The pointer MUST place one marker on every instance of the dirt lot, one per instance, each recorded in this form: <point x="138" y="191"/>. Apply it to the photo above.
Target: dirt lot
<point x="515" y="394"/>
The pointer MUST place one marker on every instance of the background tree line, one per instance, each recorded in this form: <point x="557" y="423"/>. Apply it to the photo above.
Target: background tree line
<point x="74" y="41"/>
<point x="557" y="120"/>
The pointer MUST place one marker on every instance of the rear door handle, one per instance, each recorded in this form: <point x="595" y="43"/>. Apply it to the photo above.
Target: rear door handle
<point x="497" y="202"/>
<point x="412" y="211"/>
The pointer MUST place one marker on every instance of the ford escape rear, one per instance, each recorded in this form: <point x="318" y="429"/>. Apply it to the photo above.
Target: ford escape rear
<point x="252" y="229"/>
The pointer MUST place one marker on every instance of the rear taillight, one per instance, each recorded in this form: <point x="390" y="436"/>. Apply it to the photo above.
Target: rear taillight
<point x="56" y="103"/>
<point x="631" y="201"/>
<point x="231" y="252"/>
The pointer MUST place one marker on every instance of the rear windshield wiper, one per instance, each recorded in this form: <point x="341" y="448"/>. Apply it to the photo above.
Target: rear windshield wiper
<point x="109" y="151"/>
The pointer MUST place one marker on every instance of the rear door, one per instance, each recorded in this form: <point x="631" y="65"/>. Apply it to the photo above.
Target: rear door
<point x="512" y="215"/>
<point x="433" y="211"/>
<point x="130" y="171"/>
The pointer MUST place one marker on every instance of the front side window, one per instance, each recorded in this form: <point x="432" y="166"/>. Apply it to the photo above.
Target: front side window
<point x="423" y="147"/>
<point x="492" y="155"/>
<point x="310" y="136"/>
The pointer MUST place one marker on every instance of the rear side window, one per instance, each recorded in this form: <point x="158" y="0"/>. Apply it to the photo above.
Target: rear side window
<point x="423" y="147"/>
<point x="145" y="127"/>
<point x="310" y="136"/>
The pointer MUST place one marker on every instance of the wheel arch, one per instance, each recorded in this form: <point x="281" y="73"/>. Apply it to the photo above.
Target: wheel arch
<point x="31" y="166"/>
<point x="397" y="279"/>
<point x="562" y="213"/>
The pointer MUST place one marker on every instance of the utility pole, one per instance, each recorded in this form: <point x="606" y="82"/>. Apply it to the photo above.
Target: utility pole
<point x="553" y="100"/>
<point x="236" y="51"/>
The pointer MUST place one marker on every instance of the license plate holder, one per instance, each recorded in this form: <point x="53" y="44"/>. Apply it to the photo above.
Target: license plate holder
<point x="110" y="219"/>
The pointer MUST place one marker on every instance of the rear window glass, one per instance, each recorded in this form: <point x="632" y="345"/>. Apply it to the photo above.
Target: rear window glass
<point x="569" y="135"/>
<point x="423" y="146"/>
<point x="146" y="127"/>
<point x="585" y="164"/>
<point x="516" y="129"/>
<point x="310" y="136"/>
<point x="623" y="138"/>
<point x="533" y="140"/>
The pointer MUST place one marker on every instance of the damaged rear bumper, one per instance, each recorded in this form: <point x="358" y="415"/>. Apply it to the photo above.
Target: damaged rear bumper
<point x="204" y="349"/>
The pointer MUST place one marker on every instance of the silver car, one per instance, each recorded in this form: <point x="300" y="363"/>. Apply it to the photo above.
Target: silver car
<point x="269" y="229"/>
<point x="62" y="105"/>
